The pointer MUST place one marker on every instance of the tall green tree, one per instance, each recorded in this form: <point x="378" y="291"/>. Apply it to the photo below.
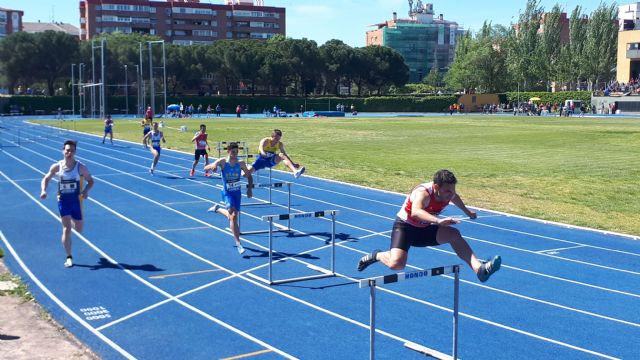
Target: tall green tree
<point x="524" y="61"/>
<point x="18" y="55"/>
<point x="601" y="44"/>
<point x="549" y="46"/>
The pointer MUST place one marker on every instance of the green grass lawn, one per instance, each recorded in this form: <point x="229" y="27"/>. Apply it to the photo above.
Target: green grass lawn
<point x="579" y="171"/>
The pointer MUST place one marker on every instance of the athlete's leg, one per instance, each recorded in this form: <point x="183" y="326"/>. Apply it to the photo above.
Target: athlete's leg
<point x="451" y="235"/>
<point x="285" y="159"/>
<point x="66" y="234"/>
<point x="394" y="259"/>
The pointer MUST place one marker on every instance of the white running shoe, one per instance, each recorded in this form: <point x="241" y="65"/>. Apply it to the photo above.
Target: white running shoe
<point x="240" y="249"/>
<point x="69" y="262"/>
<point x="299" y="172"/>
<point x="214" y="208"/>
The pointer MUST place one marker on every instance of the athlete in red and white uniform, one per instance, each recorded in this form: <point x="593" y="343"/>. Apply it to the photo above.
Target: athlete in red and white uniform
<point x="200" y="139"/>
<point x="418" y="225"/>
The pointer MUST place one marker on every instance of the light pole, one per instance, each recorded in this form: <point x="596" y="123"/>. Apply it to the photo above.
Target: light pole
<point x="80" y="89"/>
<point x="139" y="106"/>
<point x="73" y="91"/>
<point x="126" y="90"/>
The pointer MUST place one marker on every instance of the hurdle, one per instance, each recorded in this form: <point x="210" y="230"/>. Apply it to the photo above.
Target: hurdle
<point x="371" y="283"/>
<point x="270" y="186"/>
<point x="8" y="138"/>
<point x="242" y="146"/>
<point x="288" y="216"/>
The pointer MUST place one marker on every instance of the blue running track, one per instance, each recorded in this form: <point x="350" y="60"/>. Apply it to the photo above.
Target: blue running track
<point x="157" y="277"/>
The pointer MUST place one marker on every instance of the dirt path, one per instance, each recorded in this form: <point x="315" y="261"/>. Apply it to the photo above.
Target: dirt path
<point x="27" y="332"/>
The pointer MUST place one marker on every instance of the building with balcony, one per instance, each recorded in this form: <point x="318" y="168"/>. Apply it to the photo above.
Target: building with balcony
<point x="182" y="22"/>
<point x="422" y="40"/>
<point x="628" y="66"/>
<point x="10" y="21"/>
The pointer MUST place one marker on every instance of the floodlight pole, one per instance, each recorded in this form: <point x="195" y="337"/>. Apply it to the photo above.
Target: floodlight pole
<point x="81" y="94"/>
<point x="142" y="89"/>
<point x="164" y="75"/>
<point x="126" y="90"/>
<point x="73" y="91"/>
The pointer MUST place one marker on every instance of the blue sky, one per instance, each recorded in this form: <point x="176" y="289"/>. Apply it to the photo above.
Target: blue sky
<point x="346" y="20"/>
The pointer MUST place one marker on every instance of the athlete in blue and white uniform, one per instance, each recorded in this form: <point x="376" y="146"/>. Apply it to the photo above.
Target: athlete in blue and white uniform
<point x="108" y="129"/>
<point x="231" y="169"/>
<point x="155" y="136"/>
<point x="71" y="176"/>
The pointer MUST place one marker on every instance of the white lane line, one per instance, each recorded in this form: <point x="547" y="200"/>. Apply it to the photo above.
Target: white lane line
<point x="560" y="249"/>
<point x="145" y="282"/>
<point x="55" y="299"/>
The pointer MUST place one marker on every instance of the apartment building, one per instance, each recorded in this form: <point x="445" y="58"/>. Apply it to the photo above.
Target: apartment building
<point x="10" y="21"/>
<point x="182" y="22"/>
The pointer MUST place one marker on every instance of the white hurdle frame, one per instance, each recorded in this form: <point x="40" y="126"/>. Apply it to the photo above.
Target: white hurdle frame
<point x="270" y="185"/>
<point x="387" y="279"/>
<point x="314" y="214"/>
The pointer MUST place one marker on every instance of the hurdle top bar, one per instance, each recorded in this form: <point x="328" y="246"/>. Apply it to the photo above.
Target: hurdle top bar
<point x="312" y="214"/>
<point x="388" y="279"/>
<point x="267" y="185"/>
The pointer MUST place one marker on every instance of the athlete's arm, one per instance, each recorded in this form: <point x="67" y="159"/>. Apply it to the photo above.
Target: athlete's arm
<point x="247" y="174"/>
<point x="53" y="170"/>
<point x="457" y="201"/>
<point x="214" y="166"/>
<point x="261" y="147"/>
<point x="87" y="176"/>
<point x="418" y="212"/>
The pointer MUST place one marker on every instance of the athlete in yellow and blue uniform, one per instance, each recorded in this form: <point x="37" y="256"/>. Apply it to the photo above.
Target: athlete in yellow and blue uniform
<point x="272" y="153"/>
<point x="71" y="176"/>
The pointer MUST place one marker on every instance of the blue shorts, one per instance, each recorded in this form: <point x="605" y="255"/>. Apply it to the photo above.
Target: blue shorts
<point x="70" y="207"/>
<point x="263" y="162"/>
<point x="108" y="130"/>
<point x="157" y="148"/>
<point x="146" y="129"/>
<point x="232" y="199"/>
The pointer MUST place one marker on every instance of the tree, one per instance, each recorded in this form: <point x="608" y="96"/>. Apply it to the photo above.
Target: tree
<point x="385" y="67"/>
<point x="524" y="61"/>
<point x="549" y="45"/>
<point x="18" y="55"/>
<point x="601" y="44"/>
<point x="337" y="57"/>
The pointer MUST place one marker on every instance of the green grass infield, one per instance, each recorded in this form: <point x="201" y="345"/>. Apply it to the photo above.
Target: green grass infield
<point x="580" y="171"/>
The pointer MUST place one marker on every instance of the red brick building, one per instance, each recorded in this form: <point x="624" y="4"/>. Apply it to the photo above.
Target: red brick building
<point x="10" y="21"/>
<point x="182" y="22"/>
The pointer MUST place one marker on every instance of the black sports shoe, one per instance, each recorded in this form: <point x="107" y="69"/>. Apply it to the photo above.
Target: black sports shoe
<point x="489" y="267"/>
<point x="367" y="260"/>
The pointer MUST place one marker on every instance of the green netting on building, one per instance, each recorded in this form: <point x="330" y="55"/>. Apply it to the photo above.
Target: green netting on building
<point x="422" y="46"/>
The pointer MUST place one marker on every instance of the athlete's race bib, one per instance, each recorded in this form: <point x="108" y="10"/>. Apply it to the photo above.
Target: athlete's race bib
<point x="233" y="186"/>
<point x="69" y="187"/>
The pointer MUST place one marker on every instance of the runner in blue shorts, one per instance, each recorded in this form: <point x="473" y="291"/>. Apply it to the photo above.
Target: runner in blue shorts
<point x="272" y="153"/>
<point x="155" y="136"/>
<point x="231" y="169"/>
<point x="108" y="129"/>
<point x="71" y="176"/>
